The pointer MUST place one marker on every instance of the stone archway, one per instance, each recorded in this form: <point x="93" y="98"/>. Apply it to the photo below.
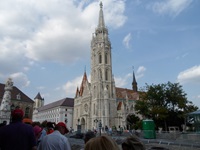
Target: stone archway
<point x="83" y="126"/>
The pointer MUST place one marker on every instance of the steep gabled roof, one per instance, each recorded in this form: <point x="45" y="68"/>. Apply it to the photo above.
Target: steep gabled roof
<point x="83" y="84"/>
<point x="15" y="91"/>
<point x="69" y="102"/>
<point x="123" y="93"/>
<point x="38" y="96"/>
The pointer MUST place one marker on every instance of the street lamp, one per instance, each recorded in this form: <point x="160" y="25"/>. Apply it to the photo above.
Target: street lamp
<point x="12" y="107"/>
<point x="78" y="126"/>
<point x="100" y="126"/>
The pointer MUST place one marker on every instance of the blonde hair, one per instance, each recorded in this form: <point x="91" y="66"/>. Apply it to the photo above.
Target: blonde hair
<point x="101" y="143"/>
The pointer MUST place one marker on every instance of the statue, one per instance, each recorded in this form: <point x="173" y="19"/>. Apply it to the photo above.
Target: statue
<point x="6" y="102"/>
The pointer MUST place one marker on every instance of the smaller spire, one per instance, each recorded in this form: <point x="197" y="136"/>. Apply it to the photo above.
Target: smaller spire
<point x="101" y="18"/>
<point x="134" y="83"/>
<point x="38" y="96"/>
<point x="101" y="5"/>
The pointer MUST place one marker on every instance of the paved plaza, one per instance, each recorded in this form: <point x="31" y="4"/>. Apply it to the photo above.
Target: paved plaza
<point x="151" y="144"/>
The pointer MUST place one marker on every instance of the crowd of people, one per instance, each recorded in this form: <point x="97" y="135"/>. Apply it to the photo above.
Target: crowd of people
<point x="19" y="135"/>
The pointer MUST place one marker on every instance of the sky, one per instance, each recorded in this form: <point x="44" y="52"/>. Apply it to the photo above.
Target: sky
<point x="45" y="44"/>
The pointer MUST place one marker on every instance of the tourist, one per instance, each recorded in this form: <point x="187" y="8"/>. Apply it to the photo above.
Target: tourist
<point x="88" y="136"/>
<point x="56" y="140"/>
<point x="101" y="143"/>
<point x="132" y="143"/>
<point x="37" y="131"/>
<point x="3" y="124"/>
<point x="17" y="135"/>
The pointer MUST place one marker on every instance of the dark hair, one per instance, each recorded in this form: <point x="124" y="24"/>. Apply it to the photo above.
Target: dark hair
<point x="132" y="143"/>
<point x="88" y="136"/>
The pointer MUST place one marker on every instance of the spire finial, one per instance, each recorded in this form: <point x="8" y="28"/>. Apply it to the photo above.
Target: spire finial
<point x="101" y="5"/>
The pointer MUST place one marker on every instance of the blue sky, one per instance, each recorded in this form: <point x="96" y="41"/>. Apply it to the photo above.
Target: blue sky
<point x="45" y="45"/>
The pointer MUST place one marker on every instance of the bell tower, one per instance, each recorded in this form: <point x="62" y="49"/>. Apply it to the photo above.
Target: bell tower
<point x="103" y="105"/>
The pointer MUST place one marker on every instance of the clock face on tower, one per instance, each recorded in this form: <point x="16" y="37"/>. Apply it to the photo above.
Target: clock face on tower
<point x="86" y="107"/>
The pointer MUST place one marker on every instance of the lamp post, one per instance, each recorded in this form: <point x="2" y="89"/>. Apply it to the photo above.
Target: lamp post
<point x="11" y="110"/>
<point x="78" y="127"/>
<point x="100" y="126"/>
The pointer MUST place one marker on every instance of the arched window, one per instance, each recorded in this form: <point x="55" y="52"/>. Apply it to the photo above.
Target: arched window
<point x="100" y="74"/>
<point x="94" y="109"/>
<point x="106" y="58"/>
<point x="27" y="111"/>
<point x="106" y="74"/>
<point x="100" y="59"/>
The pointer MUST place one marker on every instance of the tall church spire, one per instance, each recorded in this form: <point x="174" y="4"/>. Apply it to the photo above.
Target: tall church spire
<point x="101" y="18"/>
<point x="134" y="83"/>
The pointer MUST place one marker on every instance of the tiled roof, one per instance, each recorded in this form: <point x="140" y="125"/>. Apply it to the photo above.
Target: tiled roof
<point x="122" y="93"/>
<point x="15" y="91"/>
<point x="63" y="102"/>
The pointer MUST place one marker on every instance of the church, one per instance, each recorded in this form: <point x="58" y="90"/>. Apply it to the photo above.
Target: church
<point x="100" y="102"/>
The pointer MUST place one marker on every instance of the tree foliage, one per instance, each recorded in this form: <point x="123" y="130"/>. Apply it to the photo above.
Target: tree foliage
<point x="164" y="102"/>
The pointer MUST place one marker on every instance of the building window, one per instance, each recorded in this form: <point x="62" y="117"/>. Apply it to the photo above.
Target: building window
<point x="18" y="96"/>
<point x="100" y="59"/>
<point x="27" y="111"/>
<point x="94" y="109"/>
<point x="100" y="74"/>
<point x="106" y="58"/>
<point x="106" y="74"/>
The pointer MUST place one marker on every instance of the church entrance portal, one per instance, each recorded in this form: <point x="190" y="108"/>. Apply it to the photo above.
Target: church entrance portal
<point x="83" y="126"/>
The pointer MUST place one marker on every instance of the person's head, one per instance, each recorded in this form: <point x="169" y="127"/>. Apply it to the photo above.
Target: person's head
<point x="132" y="143"/>
<point x="62" y="128"/>
<point x="88" y="136"/>
<point x="101" y="143"/>
<point x="17" y="115"/>
<point x="4" y="122"/>
<point x="37" y="131"/>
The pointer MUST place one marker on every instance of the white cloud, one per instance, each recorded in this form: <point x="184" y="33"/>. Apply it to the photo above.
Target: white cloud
<point x="123" y="81"/>
<point x="40" y="87"/>
<point x="20" y="79"/>
<point x="140" y="72"/>
<point x="126" y="40"/>
<point x="171" y="7"/>
<point x="71" y="86"/>
<point x="191" y="75"/>
<point x="50" y="30"/>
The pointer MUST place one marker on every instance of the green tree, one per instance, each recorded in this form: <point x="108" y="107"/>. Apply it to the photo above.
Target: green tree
<point x="165" y="104"/>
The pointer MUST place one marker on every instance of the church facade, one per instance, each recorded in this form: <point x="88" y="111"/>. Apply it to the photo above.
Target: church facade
<point x="100" y="102"/>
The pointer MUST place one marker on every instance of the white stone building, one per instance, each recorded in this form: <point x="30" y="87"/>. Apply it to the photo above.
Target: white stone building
<point x="58" y="111"/>
<point x="100" y="100"/>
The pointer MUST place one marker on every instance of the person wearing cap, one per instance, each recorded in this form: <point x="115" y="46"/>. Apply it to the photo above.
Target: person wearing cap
<point x="17" y="135"/>
<point x="56" y="140"/>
